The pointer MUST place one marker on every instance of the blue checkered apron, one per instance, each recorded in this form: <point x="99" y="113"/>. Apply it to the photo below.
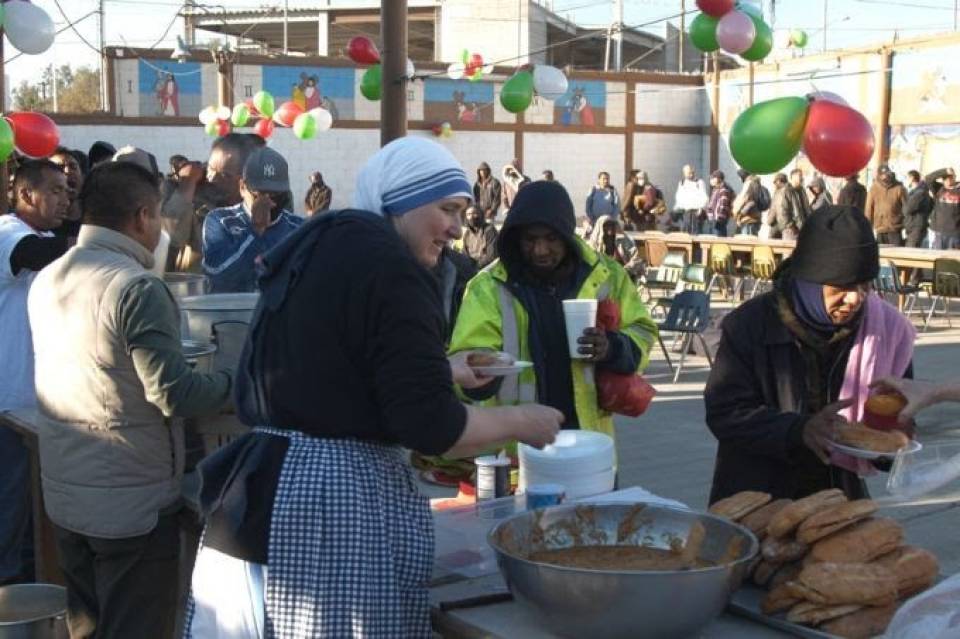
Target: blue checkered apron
<point x="351" y="543"/>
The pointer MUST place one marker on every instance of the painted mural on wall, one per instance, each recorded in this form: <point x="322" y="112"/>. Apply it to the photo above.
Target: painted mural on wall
<point x="584" y="104"/>
<point x="926" y="86"/>
<point x="924" y="148"/>
<point x="169" y="88"/>
<point x="329" y="87"/>
<point x="457" y="101"/>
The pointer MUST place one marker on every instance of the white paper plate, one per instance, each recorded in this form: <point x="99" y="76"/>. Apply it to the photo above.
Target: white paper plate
<point x="501" y="371"/>
<point x="912" y="447"/>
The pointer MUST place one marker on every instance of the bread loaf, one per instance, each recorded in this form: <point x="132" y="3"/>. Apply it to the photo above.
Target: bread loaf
<point x="860" y="543"/>
<point x="789" y="518"/>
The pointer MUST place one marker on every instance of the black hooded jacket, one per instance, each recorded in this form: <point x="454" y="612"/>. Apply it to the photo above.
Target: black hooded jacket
<point x="487" y="193"/>
<point x="548" y="203"/>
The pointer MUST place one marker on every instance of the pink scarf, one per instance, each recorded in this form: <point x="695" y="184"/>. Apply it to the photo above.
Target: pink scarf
<point x="883" y="346"/>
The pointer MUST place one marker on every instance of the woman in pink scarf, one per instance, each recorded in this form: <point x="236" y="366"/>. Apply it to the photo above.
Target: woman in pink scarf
<point x="797" y="362"/>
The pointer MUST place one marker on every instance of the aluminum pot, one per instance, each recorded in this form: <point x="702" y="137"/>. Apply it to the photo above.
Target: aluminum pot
<point x="582" y="603"/>
<point x="203" y="311"/>
<point x="186" y="284"/>
<point x="199" y="355"/>
<point x="33" y="611"/>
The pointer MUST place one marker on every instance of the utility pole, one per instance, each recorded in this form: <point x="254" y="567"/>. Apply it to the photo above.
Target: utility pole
<point x="56" y="97"/>
<point x="393" y="103"/>
<point x="102" y="30"/>
<point x="224" y="77"/>
<point x="682" y="35"/>
<point x="825" y="2"/>
<point x="956" y="13"/>
<point x="286" y="28"/>
<point x="618" y="34"/>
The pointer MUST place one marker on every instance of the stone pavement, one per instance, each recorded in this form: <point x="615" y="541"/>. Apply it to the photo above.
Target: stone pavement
<point x="669" y="450"/>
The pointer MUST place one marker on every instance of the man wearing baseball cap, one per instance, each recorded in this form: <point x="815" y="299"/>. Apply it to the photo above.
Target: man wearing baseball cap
<point x="234" y="236"/>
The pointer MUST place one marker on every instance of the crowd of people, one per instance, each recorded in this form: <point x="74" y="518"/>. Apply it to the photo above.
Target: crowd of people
<point x="359" y="350"/>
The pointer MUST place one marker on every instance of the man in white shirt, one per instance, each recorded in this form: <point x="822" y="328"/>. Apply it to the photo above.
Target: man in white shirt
<point x="27" y="244"/>
<point x="689" y="202"/>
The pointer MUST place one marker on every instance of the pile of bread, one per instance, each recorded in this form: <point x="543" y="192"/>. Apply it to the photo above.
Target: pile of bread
<point x="829" y="562"/>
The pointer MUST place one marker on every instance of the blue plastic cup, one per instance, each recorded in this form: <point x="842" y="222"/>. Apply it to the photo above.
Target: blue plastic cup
<point x="544" y="495"/>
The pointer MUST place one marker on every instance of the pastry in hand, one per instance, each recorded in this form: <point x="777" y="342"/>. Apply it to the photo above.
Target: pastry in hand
<point x="484" y="358"/>
<point x="863" y="437"/>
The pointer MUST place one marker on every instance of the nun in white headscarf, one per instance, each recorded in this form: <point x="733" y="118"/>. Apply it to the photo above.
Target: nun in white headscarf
<point x="314" y="525"/>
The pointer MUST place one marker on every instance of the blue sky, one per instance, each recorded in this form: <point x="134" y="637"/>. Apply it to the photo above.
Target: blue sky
<point x="143" y="22"/>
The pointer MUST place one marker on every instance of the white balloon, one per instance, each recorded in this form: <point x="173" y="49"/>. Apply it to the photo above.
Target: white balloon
<point x="549" y="82"/>
<point x="208" y="115"/>
<point x="456" y="70"/>
<point x="323" y="118"/>
<point x="28" y="27"/>
<point x="223" y="113"/>
<point x="411" y="70"/>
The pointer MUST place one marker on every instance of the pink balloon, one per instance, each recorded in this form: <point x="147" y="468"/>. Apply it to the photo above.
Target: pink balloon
<point x="829" y="96"/>
<point x="736" y="32"/>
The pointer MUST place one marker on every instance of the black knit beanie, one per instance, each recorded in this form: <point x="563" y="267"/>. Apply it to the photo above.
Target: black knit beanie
<point x="836" y="247"/>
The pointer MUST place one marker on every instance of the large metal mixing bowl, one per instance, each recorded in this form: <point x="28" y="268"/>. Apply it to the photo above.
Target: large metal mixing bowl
<point x="575" y="602"/>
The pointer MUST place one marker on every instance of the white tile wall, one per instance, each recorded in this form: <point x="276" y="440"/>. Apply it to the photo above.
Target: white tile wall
<point x="662" y="155"/>
<point x="575" y="159"/>
<point x="616" y="104"/>
<point x="127" y="89"/>
<point x="672" y="105"/>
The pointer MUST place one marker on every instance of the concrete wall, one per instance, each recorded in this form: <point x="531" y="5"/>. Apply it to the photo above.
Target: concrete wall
<point x="662" y="155"/>
<point x="575" y="159"/>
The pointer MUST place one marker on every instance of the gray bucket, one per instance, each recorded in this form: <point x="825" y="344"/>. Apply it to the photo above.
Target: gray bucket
<point x="186" y="284"/>
<point x="199" y="355"/>
<point x="33" y="611"/>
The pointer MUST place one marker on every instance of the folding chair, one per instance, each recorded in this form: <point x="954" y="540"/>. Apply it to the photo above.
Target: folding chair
<point x="763" y="264"/>
<point x="725" y="271"/>
<point x="946" y="286"/>
<point x="689" y="316"/>
<point x="888" y="283"/>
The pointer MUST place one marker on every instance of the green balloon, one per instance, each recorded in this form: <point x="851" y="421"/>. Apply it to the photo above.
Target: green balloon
<point x="263" y="102"/>
<point x="241" y="115"/>
<point x="6" y="139"/>
<point x="765" y="137"/>
<point x="798" y="38"/>
<point x="762" y="43"/>
<point x="370" y="83"/>
<point x="305" y="126"/>
<point x="517" y="92"/>
<point x="703" y="33"/>
<point x="212" y="129"/>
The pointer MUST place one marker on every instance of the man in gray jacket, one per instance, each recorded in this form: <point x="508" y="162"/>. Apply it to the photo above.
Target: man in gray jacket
<point x="110" y="376"/>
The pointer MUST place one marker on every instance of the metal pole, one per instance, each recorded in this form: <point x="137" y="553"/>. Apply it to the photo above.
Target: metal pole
<point x="825" y="2"/>
<point x="682" y="35"/>
<point x="393" y="104"/>
<point x="286" y="40"/>
<point x="606" y="55"/>
<point x="56" y="97"/>
<point x="618" y="52"/>
<point x="956" y="13"/>
<point x="102" y="29"/>
<point x="4" y="171"/>
<point x="520" y="30"/>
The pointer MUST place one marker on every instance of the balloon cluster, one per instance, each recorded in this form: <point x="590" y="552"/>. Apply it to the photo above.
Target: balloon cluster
<point x="550" y="83"/>
<point x="28" y="27"/>
<point x="735" y="27"/>
<point x="837" y="139"/>
<point x="305" y="124"/>
<point x="33" y="134"/>
<point x="443" y="130"/>
<point x="471" y="66"/>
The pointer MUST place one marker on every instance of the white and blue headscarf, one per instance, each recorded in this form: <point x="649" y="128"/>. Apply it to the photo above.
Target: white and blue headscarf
<point x="408" y="173"/>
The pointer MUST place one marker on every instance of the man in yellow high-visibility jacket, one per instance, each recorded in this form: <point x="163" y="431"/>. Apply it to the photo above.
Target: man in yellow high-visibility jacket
<point x="515" y="305"/>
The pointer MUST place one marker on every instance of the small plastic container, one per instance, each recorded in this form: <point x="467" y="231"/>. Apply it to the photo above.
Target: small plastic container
<point x="930" y="475"/>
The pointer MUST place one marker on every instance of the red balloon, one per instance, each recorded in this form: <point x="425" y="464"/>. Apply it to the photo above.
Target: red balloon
<point x="715" y="8"/>
<point x="34" y="134"/>
<point x="223" y="128"/>
<point x="474" y="62"/>
<point x="263" y="128"/>
<point x="362" y="50"/>
<point x="254" y="112"/>
<point x="287" y="113"/>
<point x="838" y="140"/>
